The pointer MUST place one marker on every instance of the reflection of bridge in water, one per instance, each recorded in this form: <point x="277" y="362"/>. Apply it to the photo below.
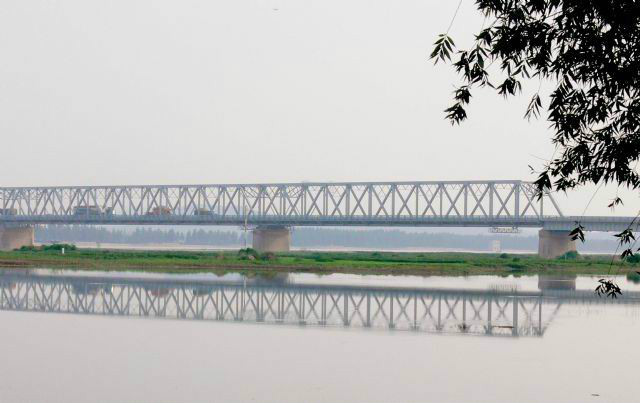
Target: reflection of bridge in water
<point x="491" y="313"/>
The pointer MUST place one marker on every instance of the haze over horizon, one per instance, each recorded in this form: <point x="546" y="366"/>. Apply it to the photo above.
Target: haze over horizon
<point x="165" y="92"/>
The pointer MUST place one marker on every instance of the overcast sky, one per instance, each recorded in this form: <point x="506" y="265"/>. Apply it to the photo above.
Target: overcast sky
<point x="162" y="92"/>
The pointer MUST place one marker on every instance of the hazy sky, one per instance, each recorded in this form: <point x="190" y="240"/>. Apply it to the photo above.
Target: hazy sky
<point x="144" y="92"/>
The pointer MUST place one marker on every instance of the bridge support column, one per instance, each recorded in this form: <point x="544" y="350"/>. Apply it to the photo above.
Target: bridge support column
<point x="271" y="239"/>
<point x="15" y="237"/>
<point x="552" y="244"/>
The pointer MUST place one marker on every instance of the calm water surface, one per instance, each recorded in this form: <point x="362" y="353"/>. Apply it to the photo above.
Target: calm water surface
<point x="113" y="337"/>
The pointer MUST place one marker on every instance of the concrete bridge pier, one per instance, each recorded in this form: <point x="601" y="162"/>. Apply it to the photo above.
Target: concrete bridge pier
<point x="15" y="237"/>
<point x="271" y="238"/>
<point x="552" y="244"/>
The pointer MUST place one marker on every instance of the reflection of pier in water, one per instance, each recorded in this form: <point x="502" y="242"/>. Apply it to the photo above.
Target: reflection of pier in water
<point x="493" y="313"/>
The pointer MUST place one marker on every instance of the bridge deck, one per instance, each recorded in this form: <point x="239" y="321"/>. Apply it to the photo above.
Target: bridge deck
<point x="445" y="203"/>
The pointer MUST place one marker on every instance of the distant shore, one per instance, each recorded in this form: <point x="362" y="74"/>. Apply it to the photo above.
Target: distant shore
<point x="383" y="263"/>
<point x="324" y="248"/>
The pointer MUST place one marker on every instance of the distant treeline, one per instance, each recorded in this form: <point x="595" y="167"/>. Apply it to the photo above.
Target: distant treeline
<point x="396" y="239"/>
<point x="78" y="233"/>
<point x="305" y="238"/>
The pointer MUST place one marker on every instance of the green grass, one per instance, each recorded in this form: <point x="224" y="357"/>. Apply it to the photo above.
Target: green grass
<point x="248" y="260"/>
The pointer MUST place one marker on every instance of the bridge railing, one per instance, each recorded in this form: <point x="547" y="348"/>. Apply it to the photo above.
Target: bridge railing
<point x="376" y="201"/>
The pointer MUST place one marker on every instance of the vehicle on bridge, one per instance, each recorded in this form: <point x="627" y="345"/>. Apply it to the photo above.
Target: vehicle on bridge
<point x="202" y="291"/>
<point x="8" y="211"/>
<point x="87" y="210"/>
<point x="160" y="211"/>
<point x="203" y="212"/>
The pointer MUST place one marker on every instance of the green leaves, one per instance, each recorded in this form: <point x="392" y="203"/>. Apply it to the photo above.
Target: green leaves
<point x="510" y="86"/>
<point x="625" y="237"/>
<point x="608" y="288"/>
<point x="462" y="95"/>
<point x="533" y="109"/>
<point x="577" y="233"/>
<point x="588" y="50"/>
<point x="615" y="202"/>
<point x="442" y="49"/>
<point x="456" y="113"/>
<point x="543" y="183"/>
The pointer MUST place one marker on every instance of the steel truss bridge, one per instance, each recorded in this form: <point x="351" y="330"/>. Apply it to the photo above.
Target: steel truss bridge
<point x="461" y="203"/>
<point x="488" y="313"/>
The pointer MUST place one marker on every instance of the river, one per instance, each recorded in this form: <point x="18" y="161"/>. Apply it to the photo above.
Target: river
<point x="72" y="336"/>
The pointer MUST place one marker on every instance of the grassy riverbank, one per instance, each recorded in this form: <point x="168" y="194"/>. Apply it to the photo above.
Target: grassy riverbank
<point x="448" y="263"/>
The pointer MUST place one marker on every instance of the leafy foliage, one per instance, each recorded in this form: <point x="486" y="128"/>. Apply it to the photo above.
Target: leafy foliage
<point x="442" y="48"/>
<point x="248" y="254"/>
<point x="577" y="233"/>
<point x="635" y="259"/>
<point x="615" y="202"/>
<point x="634" y="277"/>
<point x="608" y="288"/>
<point x="626" y="236"/>
<point x="590" y="50"/>
<point x="571" y="255"/>
<point x="50" y="247"/>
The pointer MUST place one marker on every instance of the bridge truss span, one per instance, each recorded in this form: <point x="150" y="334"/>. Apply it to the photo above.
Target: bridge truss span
<point x="462" y="203"/>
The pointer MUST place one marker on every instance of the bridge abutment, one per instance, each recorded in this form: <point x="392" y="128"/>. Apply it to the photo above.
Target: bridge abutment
<point x="272" y="239"/>
<point x="552" y="244"/>
<point x="15" y="237"/>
